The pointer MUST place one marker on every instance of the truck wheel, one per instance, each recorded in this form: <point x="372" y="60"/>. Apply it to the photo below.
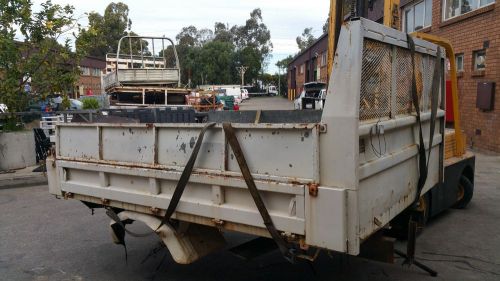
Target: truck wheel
<point x="465" y="192"/>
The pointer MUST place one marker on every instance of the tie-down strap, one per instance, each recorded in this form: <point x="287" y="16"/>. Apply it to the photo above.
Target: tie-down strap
<point x="186" y="174"/>
<point x="423" y="160"/>
<point x="285" y="248"/>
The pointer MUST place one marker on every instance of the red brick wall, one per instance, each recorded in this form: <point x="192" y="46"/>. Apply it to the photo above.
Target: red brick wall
<point x="89" y="82"/>
<point x="300" y="80"/>
<point x="468" y="33"/>
<point x="323" y="74"/>
<point x="315" y="51"/>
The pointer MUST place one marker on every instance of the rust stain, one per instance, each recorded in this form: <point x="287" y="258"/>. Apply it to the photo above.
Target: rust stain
<point x="313" y="189"/>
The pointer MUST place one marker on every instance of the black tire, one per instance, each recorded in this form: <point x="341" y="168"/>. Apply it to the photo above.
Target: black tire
<point x="466" y="191"/>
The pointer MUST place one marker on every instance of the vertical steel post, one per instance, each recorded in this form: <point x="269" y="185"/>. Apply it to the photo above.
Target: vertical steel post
<point x="130" y="50"/>
<point x="153" y="44"/>
<point x="391" y="14"/>
<point x="142" y="53"/>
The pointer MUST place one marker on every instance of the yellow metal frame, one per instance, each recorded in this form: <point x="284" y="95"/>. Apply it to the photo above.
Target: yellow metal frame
<point x="331" y="36"/>
<point x="450" y="54"/>
<point x="391" y="13"/>
<point x="392" y="19"/>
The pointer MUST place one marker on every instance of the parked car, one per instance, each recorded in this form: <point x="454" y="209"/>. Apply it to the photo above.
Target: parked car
<point x="3" y="108"/>
<point x="321" y="102"/>
<point x="244" y="94"/>
<point x="312" y="96"/>
<point x="75" y="104"/>
<point x="272" y="91"/>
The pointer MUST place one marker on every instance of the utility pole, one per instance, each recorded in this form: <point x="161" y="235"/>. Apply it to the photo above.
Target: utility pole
<point x="279" y="81"/>
<point x="241" y="71"/>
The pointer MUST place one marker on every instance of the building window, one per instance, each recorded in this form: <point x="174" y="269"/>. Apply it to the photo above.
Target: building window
<point x="459" y="61"/>
<point x="417" y="16"/>
<point x="453" y="8"/>
<point x="301" y="70"/>
<point x="479" y="59"/>
<point x="85" y="70"/>
<point x="96" y="72"/>
<point x="323" y="59"/>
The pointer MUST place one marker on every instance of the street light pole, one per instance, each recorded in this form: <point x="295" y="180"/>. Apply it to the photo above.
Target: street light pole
<point x="279" y="81"/>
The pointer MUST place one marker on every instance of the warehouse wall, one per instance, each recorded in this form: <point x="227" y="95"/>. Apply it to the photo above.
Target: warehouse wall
<point x="476" y="30"/>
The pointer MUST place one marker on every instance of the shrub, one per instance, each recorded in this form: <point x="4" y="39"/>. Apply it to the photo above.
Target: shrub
<point x="66" y="104"/>
<point x="90" y="103"/>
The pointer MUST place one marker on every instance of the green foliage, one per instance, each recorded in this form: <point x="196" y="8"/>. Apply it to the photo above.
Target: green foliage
<point x="283" y="64"/>
<point x="215" y="59"/>
<point x="90" y="103"/>
<point x="104" y="32"/>
<point x="306" y="39"/>
<point x="66" y="103"/>
<point x="39" y="57"/>
<point x="205" y="55"/>
<point x="326" y="25"/>
<point x="12" y="124"/>
<point x="223" y="33"/>
<point x="208" y="56"/>
<point x="250" y="57"/>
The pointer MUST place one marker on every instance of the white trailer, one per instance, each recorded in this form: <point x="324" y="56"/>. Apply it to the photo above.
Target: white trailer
<point x="326" y="184"/>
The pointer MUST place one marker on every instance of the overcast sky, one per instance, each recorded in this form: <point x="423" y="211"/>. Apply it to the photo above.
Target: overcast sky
<point x="286" y="19"/>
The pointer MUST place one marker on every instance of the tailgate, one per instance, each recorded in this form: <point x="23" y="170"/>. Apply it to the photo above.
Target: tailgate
<point x="136" y="166"/>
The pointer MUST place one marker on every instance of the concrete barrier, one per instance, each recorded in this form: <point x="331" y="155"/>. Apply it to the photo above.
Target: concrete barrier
<point x="17" y="150"/>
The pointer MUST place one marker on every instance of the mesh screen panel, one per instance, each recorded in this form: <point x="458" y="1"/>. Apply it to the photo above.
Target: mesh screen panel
<point x="428" y="70"/>
<point x="403" y="81"/>
<point x="375" y="98"/>
<point x="377" y="75"/>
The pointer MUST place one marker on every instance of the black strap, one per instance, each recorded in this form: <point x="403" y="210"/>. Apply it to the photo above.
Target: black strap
<point x="285" y="248"/>
<point x="186" y="174"/>
<point x="423" y="162"/>
<point x="436" y="81"/>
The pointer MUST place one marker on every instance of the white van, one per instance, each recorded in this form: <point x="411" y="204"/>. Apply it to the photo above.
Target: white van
<point x="272" y="91"/>
<point x="231" y="90"/>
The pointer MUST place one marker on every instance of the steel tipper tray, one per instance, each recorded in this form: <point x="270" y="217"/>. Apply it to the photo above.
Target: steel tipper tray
<point x="328" y="180"/>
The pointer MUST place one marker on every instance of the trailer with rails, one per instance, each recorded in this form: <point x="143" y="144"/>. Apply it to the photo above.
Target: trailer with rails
<point x="327" y="179"/>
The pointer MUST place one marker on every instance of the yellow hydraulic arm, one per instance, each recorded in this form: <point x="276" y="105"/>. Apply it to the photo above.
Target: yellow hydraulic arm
<point x="333" y="29"/>
<point x="335" y="18"/>
<point x="445" y="43"/>
<point x="391" y="14"/>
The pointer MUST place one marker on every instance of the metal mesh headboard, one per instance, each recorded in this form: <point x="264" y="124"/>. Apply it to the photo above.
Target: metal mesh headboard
<point x="386" y="78"/>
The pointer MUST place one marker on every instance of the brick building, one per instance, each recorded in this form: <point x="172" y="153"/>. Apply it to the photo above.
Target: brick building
<point x="89" y="82"/>
<point x="473" y="27"/>
<point x="308" y="66"/>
